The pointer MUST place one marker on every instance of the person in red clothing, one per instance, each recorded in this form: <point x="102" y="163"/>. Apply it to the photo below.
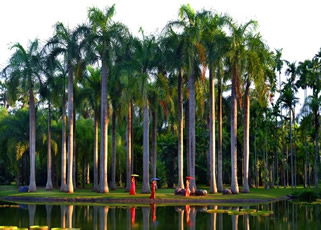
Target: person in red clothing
<point x="187" y="190"/>
<point x="152" y="195"/>
<point x="133" y="187"/>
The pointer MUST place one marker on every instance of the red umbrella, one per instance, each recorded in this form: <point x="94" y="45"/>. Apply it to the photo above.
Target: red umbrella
<point x="189" y="178"/>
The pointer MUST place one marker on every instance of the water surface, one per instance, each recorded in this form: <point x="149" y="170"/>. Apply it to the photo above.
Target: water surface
<point x="287" y="215"/>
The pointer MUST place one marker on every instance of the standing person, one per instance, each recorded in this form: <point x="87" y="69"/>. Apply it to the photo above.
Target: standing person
<point x="188" y="191"/>
<point x="133" y="185"/>
<point x="152" y="195"/>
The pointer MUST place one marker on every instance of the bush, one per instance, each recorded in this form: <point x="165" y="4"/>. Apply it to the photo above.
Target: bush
<point x="307" y="195"/>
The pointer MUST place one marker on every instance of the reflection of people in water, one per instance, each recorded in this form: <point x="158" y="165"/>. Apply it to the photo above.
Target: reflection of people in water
<point x="188" y="210"/>
<point x="152" y="195"/>
<point x="153" y="207"/>
<point x="133" y="187"/>
<point x="133" y="213"/>
<point x="187" y="191"/>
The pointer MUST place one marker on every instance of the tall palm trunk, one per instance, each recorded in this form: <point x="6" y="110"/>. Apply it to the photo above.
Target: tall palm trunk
<point x="70" y="187"/>
<point x="104" y="130"/>
<point x="129" y="142"/>
<point x="180" y="132"/>
<point x="234" y="183"/>
<point x="74" y="166"/>
<point x="316" y="148"/>
<point x="246" y="139"/>
<point x="96" y="185"/>
<point x="49" y="181"/>
<point x="256" y="168"/>
<point x="191" y="144"/>
<point x="32" y="141"/>
<point x="132" y="135"/>
<point x="154" y="143"/>
<point x="146" y="187"/>
<point x="291" y="150"/>
<point x="213" y="188"/>
<point x="63" y="186"/>
<point x="113" y="146"/>
<point x="220" y="145"/>
<point x="188" y="156"/>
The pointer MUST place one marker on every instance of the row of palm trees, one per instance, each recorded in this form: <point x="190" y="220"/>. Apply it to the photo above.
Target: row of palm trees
<point x="121" y="75"/>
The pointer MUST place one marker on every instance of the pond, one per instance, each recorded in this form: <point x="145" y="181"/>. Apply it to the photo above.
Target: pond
<point x="286" y="215"/>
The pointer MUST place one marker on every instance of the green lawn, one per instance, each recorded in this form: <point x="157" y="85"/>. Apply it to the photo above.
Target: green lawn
<point x="163" y="193"/>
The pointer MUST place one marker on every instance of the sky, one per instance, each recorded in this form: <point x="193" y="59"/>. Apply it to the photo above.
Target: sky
<point x="293" y="25"/>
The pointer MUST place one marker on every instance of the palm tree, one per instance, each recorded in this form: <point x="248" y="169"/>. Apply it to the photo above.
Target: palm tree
<point x="105" y="33"/>
<point x="190" y="22"/>
<point x="239" y="39"/>
<point x="67" y="42"/>
<point x="144" y="55"/>
<point x="46" y="91"/>
<point x="214" y="41"/>
<point x="289" y="100"/>
<point x="313" y="75"/>
<point x="23" y="73"/>
<point x="92" y="83"/>
<point x="258" y="64"/>
<point x="175" y="64"/>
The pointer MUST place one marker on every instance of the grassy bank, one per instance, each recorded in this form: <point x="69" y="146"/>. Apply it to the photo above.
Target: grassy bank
<point x="164" y="195"/>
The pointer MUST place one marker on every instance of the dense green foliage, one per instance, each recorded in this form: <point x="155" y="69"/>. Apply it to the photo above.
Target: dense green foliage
<point x="143" y="73"/>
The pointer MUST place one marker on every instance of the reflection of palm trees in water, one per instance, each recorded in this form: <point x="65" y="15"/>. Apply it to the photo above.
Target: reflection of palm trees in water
<point x="48" y="211"/>
<point x="70" y="210"/>
<point x="103" y="213"/>
<point x="95" y="224"/>
<point x="63" y="215"/>
<point x="146" y="212"/>
<point x="32" y="212"/>
<point x="213" y="219"/>
<point x="180" y="218"/>
<point x="235" y="221"/>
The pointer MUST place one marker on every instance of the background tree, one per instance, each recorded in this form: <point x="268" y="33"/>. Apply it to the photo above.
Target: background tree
<point x="23" y="75"/>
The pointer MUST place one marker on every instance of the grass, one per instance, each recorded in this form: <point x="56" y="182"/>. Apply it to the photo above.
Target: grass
<point x="164" y="193"/>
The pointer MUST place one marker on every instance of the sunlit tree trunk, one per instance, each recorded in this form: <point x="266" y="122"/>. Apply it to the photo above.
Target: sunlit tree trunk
<point x="63" y="186"/>
<point x="188" y="156"/>
<point x="213" y="188"/>
<point x="104" y="130"/>
<point x="220" y="143"/>
<point x="96" y="185"/>
<point x="49" y="181"/>
<point x="32" y="141"/>
<point x="154" y="143"/>
<point x="291" y="151"/>
<point x="191" y="144"/>
<point x="88" y="174"/>
<point x="128" y="149"/>
<point x="75" y="165"/>
<point x="180" y="132"/>
<point x="113" y="143"/>
<point x="316" y="148"/>
<point x="246" y="139"/>
<point x="70" y="187"/>
<point x="145" y="186"/>
<point x="234" y="182"/>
